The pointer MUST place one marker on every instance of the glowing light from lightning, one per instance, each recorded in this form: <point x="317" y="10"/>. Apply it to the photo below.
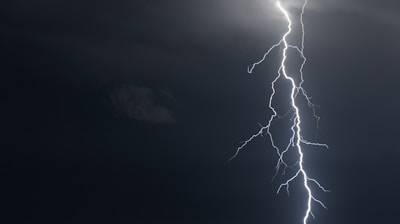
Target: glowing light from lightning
<point x="296" y="140"/>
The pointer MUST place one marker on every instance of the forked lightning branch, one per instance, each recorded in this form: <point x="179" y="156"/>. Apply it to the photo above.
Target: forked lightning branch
<point x="295" y="141"/>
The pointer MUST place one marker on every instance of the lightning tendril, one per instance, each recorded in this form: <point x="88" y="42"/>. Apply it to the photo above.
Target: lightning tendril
<point x="296" y="141"/>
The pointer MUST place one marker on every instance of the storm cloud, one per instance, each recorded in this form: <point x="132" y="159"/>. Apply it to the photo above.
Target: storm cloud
<point x="385" y="12"/>
<point x="127" y="111"/>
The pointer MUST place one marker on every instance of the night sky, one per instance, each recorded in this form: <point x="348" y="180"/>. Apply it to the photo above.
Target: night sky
<point x="128" y="111"/>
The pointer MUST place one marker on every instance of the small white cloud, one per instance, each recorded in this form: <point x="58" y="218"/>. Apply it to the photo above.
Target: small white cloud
<point x="138" y="103"/>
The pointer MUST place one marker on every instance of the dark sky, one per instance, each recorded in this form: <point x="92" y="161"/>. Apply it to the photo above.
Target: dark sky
<point x="127" y="111"/>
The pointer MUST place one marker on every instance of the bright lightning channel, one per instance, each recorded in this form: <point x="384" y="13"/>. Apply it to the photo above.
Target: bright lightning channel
<point x="296" y="140"/>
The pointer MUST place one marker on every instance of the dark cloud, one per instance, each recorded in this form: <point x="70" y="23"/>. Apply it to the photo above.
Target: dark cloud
<point x="381" y="11"/>
<point x="69" y="63"/>
<point x="138" y="103"/>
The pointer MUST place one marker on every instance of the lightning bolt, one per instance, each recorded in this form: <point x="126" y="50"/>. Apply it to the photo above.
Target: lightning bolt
<point x="296" y="141"/>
